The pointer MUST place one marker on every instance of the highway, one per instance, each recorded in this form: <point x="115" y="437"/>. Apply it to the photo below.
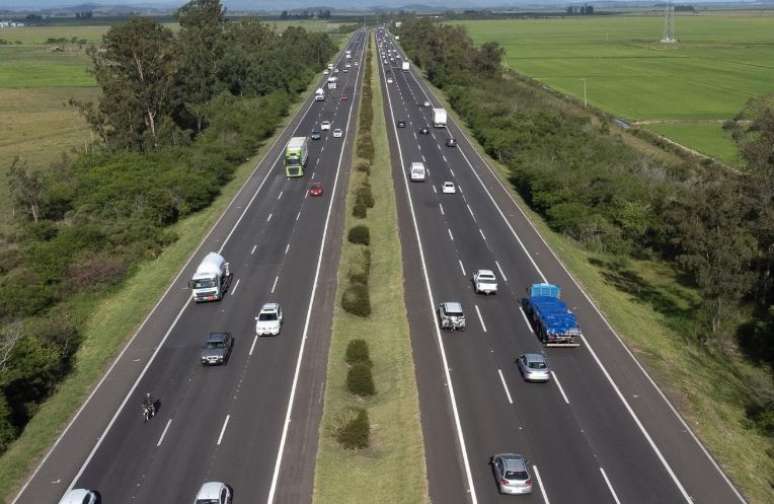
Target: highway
<point x="252" y="423"/>
<point x="600" y="431"/>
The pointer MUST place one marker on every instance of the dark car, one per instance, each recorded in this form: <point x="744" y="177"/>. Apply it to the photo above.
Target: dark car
<point x="424" y="131"/>
<point x="451" y="142"/>
<point x="315" y="135"/>
<point x="401" y="124"/>
<point x="217" y="350"/>
<point x="316" y="190"/>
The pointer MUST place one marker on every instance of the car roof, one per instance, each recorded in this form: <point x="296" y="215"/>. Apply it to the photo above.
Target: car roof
<point x="210" y="490"/>
<point x="534" y="357"/>
<point x="270" y="307"/>
<point x="513" y="461"/>
<point x="75" y="496"/>
<point x="453" y="306"/>
<point x="217" y="336"/>
<point x="449" y="182"/>
<point x="486" y="272"/>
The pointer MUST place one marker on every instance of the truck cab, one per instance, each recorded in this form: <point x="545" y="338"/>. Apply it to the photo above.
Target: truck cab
<point x="211" y="278"/>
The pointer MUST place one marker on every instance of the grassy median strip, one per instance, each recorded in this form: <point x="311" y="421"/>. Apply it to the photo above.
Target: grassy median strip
<point x="113" y="321"/>
<point x="371" y="447"/>
<point x="709" y="390"/>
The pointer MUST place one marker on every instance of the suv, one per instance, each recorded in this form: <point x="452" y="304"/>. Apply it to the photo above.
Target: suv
<point x="217" y="350"/>
<point x="325" y="125"/>
<point x="80" y="496"/>
<point x="214" y="492"/>
<point x="485" y="282"/>
<point x="269" y="320"/>
<point x="512" y="473"/>
<point x="450" y="316"/>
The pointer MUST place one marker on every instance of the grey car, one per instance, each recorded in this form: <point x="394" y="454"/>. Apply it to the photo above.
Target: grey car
<point x="217" y="350"/>
<point x="512" y="473"/>
<point x="451" y="316"/>
<point x="533" y="367"/>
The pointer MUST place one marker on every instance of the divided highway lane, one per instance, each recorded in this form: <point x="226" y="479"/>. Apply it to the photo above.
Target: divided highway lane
<point x="581" y="434"/>
<point x="228" y="423"/>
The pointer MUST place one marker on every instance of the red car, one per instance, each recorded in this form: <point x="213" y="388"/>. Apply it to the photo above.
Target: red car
<point x="316" y="190"/>
<point x="343" y="98"/>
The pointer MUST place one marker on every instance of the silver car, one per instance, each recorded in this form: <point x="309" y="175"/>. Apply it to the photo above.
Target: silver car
<point x="512" y="473"/>
<point x="533" y="367"/>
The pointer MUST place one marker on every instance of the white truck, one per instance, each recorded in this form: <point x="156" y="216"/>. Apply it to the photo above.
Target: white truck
<point x="485" y="282"/>
<point x="332" y="82"/>
<point x="418" y="172"/>
<point x="211" y="279"/>
<point x="405" y="66"/>
<point x="439" y="117"/>
<point x="319" y="95"/>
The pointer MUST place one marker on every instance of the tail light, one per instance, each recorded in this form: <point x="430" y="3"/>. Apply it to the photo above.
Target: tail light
<point x="504" y="482"/>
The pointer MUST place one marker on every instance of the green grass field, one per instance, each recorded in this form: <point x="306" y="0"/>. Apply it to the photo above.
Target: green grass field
<point x="720" y="61"/>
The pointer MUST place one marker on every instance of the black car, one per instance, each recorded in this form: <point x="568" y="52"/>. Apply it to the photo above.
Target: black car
<point x="401" y="124"/>
<point x="451" y="142"/>
<point x="217" y="350"/>
<point x="315" y="135"/>
<point x="424" y="131"/>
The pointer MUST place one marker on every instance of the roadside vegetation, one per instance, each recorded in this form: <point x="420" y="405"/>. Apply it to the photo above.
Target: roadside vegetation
<point x="370" y="446"/>
<point x="683" y="249"/>
<point x="170" y="142"/>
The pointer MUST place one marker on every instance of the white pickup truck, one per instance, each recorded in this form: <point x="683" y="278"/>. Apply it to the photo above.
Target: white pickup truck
<point x="485" y="282"/>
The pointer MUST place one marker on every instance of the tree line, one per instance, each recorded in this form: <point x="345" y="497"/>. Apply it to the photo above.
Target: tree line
<point x="178" y="111"/>
<point x="716" y="225"/>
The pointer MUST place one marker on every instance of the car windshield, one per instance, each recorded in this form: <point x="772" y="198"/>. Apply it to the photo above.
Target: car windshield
<point x="516" y="475"/>
<point x="451" y="311"/>
<point x="204" y="283"/>
<point x="207" y="501"/>
<point x="216" y="344"/>
<point x="537" y="365"/>
<point x="489" y="278"/>
<point x="267" y="317"/>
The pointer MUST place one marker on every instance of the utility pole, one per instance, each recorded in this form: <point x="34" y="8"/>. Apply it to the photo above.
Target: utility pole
<point x="669" y="25"/>
<point x="585" y="95"/>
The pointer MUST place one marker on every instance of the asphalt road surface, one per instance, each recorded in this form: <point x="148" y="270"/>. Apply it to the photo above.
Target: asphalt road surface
<point x="254" y="422"/>
<point x="600" y="431"/>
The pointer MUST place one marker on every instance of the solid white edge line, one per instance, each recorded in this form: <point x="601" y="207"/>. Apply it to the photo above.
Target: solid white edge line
<point x="233" y="291"/>
<point x="636" y="419"/>
<point x="559" y="386"/>
<point x="609" y="485"/>
<point x="500" y="269"/>
<point x="480" y="318"/>
<point x="164" y="433"/>
<point x="291" y="399"/>
<point x="155" y="307"/>
<point x="540" y="484"/>
<point x="223" y="429"/>
<point x="439" y="339"/>
<point x="526" y="320"/>
<point x="462" y="267"/>
<point x="252" y="347"/>
<point x="505" y="387"/>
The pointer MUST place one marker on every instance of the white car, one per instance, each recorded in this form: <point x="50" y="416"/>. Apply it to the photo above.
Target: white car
<point x="389" y="80"/>
<point x="338" y="133"/>
<point x="326" y="71"/>
<point x="325" y="125"/>
<point x="269" y="320"/>
<point x="80" y="496"/>
<point x="348" y="65"/>
<point x="357" y="64"/>
<point x="335" y="70"/>
<point x="426" y="104"/>
<point x="448" y="187"/>
<point x="485" y="282"/>
<point x="214" y="492"/>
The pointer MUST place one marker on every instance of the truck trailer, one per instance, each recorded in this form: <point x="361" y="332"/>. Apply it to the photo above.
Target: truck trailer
<point x="296" y="154"/>
<point x="439" y="118"/>
<point x="319" y="95"/>
<point x="405" y="66"/>
<point x="211" y="279"/>
<point x="552" y="320"/>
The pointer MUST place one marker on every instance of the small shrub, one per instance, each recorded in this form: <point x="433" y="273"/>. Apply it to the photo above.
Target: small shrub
<point x="360" y="269"/>
<point x="357" y="352"/>
<point x="360" y="381"/>
<point x="364" y="195"/>
<point x="359" y="234"/>
<point x="355" y="434"/>
<point x="359" y="210"/>
<point x="363" y="167"/>
<point x="356" y="300"/>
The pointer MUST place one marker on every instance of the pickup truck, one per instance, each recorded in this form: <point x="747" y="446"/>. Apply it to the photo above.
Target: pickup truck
<point x="485" y="282"/>
<point x="450" y="316"/>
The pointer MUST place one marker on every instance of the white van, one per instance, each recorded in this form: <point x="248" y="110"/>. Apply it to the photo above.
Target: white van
<point x="418" y="172"/>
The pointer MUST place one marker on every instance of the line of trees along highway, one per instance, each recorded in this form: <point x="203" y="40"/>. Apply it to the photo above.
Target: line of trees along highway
<point x="178" y="111"/>
<point x="715" y="224"/>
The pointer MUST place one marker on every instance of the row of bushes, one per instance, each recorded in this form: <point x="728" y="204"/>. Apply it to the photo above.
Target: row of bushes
<point x="354" y="432"/>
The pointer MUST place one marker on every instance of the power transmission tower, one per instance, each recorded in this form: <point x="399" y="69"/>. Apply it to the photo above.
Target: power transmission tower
<point x="669" y="25"/>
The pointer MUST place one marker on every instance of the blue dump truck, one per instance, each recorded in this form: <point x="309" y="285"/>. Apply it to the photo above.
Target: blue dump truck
<point x="553" y="322"/>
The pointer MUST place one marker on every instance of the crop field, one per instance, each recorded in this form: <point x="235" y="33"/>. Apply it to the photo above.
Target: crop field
<point x="683" y="90"/>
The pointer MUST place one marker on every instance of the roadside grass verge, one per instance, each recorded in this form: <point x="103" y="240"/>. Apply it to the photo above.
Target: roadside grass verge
<point x="653" y="312"/>
<point x="392" y="468"/>
<point x="113" y="319"/>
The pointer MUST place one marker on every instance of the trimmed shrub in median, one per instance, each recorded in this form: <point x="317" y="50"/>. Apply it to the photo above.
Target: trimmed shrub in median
<point x="359" y="234"/>
<point x="359" y="269"/>
<point x="358" y="353"/>
<point x="364" y="167"/>
<point x="365" y="146"/>
<point x="360" y="381"/>
<point x="356" y="300"/>
<point x="359" y="210"/>
<point x="355" y="434"/>
<point x="364" y="195"/>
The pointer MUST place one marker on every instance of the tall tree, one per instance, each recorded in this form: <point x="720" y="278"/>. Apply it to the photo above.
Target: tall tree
<point x="26" y="189"/>
<point x="202" y="24"/>
<point x="135" y="67"/>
